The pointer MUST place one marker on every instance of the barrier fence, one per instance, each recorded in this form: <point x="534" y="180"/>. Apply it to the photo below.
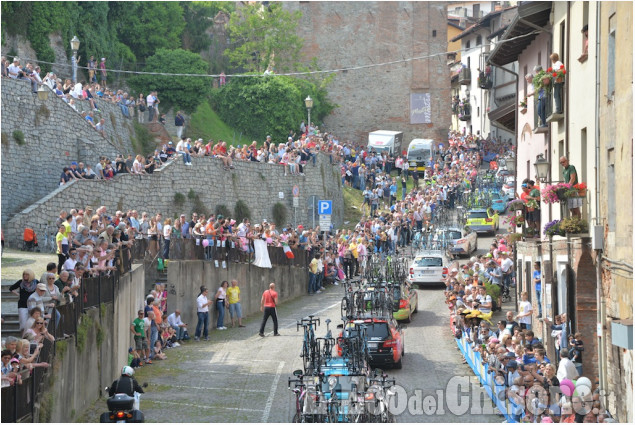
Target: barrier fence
<point x="18" y="400"/>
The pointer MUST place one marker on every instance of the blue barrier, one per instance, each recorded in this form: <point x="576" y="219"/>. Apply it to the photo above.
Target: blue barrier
<point x="474" y="360"/>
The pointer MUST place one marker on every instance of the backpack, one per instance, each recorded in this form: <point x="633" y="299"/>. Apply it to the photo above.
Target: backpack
<point x="160" y="265"/>
<point x="142" y="107"/>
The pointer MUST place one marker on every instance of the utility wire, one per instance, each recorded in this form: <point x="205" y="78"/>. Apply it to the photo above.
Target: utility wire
<point x="336" y="70"/>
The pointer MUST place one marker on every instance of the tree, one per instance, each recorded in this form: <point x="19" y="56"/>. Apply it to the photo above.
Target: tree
<point x="184" y="93"/>
<point x="264" y="36"/>
<point x="147" y="26"/>
<point x="199" y="16"/>
<point x="260" y="106"/>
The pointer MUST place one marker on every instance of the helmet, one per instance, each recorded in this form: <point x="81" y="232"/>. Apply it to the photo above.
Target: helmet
<point x="127" y="371"/>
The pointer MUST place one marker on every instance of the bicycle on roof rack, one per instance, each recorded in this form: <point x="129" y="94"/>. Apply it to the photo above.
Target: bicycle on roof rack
<point x="310" y="345"/>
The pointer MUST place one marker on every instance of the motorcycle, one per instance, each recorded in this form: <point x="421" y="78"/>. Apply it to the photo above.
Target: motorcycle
<point x="123" y="409"/>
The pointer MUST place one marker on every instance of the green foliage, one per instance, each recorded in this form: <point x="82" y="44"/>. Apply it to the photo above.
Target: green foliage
<point x="206" y="124"/>
<point x="574" y="225"/>
<point x="279" y="212"/>
<point x="191" y="195"/>
<point x="492" y="290"/>
<point x="42" y="113"/>
<point x="260" y="33"/>
<point x="18" y="136"/>
<point x="184" y="93"/>
<point x="85" y="325"/>
<point x="100" y="336"/>
<point x="147" y="27"/>
<point x="60" y="348"/>
<point x="222" y="209"/>
<point x="198" y="18"/>
<point x="179" y="199"/>
<point x="241" y="211"/>
<point x="143" y="142"/>
<point x="269" y="105"/>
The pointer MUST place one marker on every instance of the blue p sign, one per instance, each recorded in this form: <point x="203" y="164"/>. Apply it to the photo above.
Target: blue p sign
<point x="325" y="207"/>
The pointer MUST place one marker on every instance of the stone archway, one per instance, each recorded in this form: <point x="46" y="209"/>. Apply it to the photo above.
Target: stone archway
<point x="586" y="311"/>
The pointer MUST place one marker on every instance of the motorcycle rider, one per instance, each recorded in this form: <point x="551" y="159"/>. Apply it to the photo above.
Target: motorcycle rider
<point x="126" y="384"/>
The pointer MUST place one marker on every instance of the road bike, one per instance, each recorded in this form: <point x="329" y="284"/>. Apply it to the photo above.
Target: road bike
<point x="310" y="346"/>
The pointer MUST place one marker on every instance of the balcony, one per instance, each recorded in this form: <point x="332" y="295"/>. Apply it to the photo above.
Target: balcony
<point x="465" y="112"/>
<point x="554" y="116"/>
<point x="465" y="77"/>
<point x="485" y="81"/>
<point x="542" y="127"/>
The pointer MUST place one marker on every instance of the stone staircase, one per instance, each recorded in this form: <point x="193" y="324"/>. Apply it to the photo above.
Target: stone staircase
<point x="11" y="325"/>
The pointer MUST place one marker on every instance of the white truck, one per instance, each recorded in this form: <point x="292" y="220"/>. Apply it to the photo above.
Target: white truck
<point x="382" y="140"/>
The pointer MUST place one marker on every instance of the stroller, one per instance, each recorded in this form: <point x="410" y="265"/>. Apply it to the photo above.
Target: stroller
<point x="30" y="240"/>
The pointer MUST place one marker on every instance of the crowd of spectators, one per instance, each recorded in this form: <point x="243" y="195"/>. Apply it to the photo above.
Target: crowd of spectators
<point x="541" y="389"/>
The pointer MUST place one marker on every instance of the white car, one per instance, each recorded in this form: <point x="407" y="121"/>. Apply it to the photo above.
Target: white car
<point x="509" y="188"/>
<point x="463" y="242"/>
<point x="428" y="267"/>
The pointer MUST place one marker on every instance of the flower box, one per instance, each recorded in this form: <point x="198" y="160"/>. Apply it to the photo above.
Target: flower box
<point x="523" y="111"/>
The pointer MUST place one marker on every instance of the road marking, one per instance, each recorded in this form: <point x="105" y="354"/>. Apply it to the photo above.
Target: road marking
<point x="313" y="314"/>
<point x="272" y="393"/>
<point x="218" y="388"/>
<point x="206" y="407"/>
<point x="224" y="372"/>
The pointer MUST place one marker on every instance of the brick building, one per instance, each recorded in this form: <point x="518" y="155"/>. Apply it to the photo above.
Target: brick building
<point x="351" y="34"/>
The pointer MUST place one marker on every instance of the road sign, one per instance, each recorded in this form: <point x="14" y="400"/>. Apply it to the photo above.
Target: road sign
<point x="325" y="207"/>
<point x="325" y="221"/>
<point x="296" y="191"/>
<point x="296" y="202"/>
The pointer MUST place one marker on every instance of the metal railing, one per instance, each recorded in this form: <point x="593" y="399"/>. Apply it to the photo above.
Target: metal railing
<point x="18" y="400"/>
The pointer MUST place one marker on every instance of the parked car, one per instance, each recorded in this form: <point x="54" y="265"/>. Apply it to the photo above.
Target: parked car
<point x="384" y="338"/>
<point x="462" y="242"/>
<point x="499" y="203"/>
<point x="406" y="302"/>
<point x="482" y="220"/>
<point x="428" y="267"/>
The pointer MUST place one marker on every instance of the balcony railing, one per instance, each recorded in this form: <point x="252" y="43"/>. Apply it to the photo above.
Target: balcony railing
<point x="540" y="125"/>
<point x="465" y="112"/>
<point x="485" y="81"/>
<point x="557" y="113"/>
<point x="465" y="76"/>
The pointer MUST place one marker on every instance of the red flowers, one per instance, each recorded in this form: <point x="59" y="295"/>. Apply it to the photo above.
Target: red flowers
<point x="561" y="66"/>
<point x="554" y="75"/>
<point x="550" y="69"/>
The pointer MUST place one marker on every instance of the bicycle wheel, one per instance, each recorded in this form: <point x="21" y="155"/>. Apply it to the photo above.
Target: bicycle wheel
<point x="346" y="306"/>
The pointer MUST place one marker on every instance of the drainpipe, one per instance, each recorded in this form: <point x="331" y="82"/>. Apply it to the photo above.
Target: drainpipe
<point x="566" y="115"/>
<point x="601" y="303"/>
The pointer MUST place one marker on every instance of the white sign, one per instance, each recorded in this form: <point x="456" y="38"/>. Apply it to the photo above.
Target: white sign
<point x="325" y="221"/>
<point x="296" y="202"/>
<point x="281" y="195"/>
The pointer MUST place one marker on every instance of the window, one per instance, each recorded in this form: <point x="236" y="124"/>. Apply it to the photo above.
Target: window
<point x="540" y="59"/>
<point x="478" y="215"/>
<point x="610" y="183"/>
<point x="434" y="33"/>
<point x="476" y="11"/>
<point x="479" y="40"/>
<point x="478" y="111"/>
<point x="562" y="42"/>
<point x="583" y="151"/>
<point x="429" y="262"/>
<point x="467" y="45"/>
<point x="524" y="80"/>
<point x="610" y="87"/>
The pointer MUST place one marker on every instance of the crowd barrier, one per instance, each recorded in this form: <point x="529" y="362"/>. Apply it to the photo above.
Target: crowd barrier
<point x="18" y="401"/>
<point x="495" y="391"/>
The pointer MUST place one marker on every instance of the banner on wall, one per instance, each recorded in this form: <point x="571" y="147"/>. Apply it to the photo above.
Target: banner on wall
<point x="420" y="110"/>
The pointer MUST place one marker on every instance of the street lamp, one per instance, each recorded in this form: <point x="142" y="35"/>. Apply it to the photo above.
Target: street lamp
<point x="510" y="164"/>
<point x="74" y="48"/>
<point x="542" y="168"/>
<point x="42" y="93"/>
<point x="308" y="102"/>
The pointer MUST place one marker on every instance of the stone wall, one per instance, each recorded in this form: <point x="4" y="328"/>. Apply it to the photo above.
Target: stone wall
<point x="349" y="34"/>
<point x="54" y="136"/>
<point x="258" y="185"/>
<point x="188" y="276"/>
<point x="79" y="376"/>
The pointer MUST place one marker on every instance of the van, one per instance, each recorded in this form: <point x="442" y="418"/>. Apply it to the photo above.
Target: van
<point x="382" y="140"/>
<point x="419" y="153"/>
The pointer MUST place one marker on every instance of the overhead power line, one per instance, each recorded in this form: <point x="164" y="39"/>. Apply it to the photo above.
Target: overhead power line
<point x="329" y="71"/>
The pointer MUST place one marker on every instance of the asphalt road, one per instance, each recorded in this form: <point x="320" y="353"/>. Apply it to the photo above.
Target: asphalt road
<point x="240" y="377"/>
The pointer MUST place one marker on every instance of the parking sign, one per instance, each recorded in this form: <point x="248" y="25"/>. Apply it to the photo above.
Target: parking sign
<point x="325" y="207"/>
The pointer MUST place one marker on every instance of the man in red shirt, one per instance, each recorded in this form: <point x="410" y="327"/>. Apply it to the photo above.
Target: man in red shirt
<point x="268" y="304"/>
